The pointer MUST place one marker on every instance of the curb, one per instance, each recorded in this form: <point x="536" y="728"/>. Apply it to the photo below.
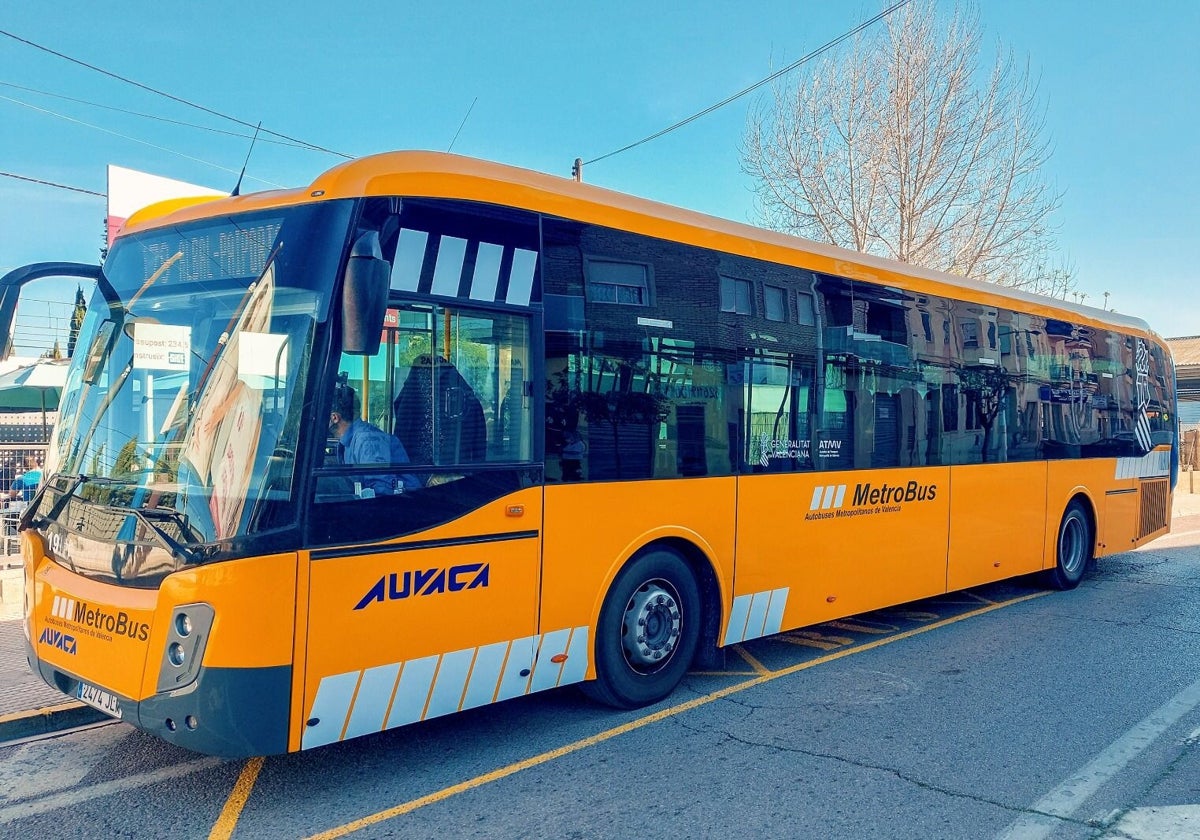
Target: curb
<point x="20" y="725"/>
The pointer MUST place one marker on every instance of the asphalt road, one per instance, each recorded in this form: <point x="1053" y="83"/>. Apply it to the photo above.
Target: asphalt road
<point x="1005" y="711"/>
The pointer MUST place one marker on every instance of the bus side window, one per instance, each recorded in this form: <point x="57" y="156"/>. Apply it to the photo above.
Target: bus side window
<point x="438" y="417"/>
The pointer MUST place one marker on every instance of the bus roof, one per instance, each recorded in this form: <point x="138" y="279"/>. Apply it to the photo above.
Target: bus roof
<point x="441" y="175"/>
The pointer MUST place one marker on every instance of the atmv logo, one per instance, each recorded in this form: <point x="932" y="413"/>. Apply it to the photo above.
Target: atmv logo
<point x="58" y="639"/>
<point x="397" y="586"/>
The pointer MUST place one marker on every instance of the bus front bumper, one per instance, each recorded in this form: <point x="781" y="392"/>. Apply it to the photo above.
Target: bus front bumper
<point x="227" y="712"/>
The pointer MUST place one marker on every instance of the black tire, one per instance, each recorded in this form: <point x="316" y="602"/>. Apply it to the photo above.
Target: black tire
<point x="1073" y="548"/>
<point x="655" y="594"/>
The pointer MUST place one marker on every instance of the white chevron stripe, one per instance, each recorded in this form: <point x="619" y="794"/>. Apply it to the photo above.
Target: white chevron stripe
<point x="738" y="611"/>
<point x="1150" y="465"/>
<point x="448" y="268"/>
<point x="399" y="693"/>
<point x="755" y="615"/>
<point x="520" y="279"/>
<point x="816" y="499"/>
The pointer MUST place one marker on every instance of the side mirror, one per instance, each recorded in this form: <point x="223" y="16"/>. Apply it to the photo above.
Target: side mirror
<point x="12" y="283"/>
<point x="364" y="296"/>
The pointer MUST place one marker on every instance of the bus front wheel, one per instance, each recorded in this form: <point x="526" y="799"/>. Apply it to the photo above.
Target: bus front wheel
<point x="648" y="630"/>
<point x="1073" y="548"/>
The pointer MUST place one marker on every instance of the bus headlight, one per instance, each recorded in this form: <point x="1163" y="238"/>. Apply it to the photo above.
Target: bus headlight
<point x="187" y="635"/>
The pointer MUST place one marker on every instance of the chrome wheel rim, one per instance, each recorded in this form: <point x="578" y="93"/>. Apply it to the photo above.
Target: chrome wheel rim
<point x="651" y="626"/>
<point x="1072" y="549"/>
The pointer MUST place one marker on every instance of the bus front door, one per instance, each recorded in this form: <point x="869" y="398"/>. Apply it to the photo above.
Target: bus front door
<point x="423" y="588"/>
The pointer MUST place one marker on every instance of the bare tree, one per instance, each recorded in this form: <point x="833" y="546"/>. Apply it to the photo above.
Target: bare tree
<point x="903" y="149"/>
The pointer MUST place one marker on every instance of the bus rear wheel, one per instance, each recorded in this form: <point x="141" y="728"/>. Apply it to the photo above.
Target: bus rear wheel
<point x="648" y="630"/>
<point x="1073" y="548"/>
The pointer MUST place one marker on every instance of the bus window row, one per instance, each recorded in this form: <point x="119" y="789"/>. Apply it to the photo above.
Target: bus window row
<point x="666" y="360"/>
<point x="690" y="362"/>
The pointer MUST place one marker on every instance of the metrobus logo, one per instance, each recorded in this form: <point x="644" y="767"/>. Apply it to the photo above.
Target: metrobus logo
<point x="828" y="497"/>
<point x="829" y="500"/>
<point x="99" y="619"/>
<point x="399" y="585"/>
<point x="58" y="639"/>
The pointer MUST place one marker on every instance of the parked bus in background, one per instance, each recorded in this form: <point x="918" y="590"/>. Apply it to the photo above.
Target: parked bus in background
<point x="631" y="435"/>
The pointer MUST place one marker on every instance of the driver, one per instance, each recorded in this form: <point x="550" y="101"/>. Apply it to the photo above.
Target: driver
<point x="360" y="442"/>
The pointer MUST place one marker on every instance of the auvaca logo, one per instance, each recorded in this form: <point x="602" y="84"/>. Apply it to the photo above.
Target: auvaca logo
<point x="59" y="640"/>
<point x="400" y="585"/>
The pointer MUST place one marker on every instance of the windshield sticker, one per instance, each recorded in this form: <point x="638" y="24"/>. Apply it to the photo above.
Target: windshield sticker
<point x="262" y="359"/>
<point x="161" y="346"/>
<point x="237" y="439"/>
<point x="226" y="426"/>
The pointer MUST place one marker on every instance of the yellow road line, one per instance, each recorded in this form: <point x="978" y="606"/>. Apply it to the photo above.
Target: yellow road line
<point x="663" y="714"/>
<point x="855" y="627"/>
<point x="223" y="829"/>
<point x="815" y="640"/>
<point x="758" y="667"/>
<point x="48" y="710"/>
<point x="720" y="673"/>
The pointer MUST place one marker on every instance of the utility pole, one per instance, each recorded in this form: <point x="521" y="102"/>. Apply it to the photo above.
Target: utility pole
<point x="1106" y="300"/>
<point x="577" y="170"/>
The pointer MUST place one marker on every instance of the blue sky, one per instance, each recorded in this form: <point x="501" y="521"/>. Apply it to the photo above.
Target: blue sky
<point x="551" y="82"/>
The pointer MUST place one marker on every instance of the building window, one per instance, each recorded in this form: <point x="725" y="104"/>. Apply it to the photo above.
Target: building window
<point x="928" y="327"/>
<point x="970" y="333"/>
<point x="774" y="303"/>
<point x="618" y="282"/>
<point x="974" y="419"/>
<point x="736" y="296"/>
<point x="950" y="408"/>
<point x="805" y="310"/>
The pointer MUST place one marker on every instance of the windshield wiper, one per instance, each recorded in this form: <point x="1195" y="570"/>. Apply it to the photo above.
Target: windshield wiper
<point x="27" y="518"/>
<point x="146" y="516"/>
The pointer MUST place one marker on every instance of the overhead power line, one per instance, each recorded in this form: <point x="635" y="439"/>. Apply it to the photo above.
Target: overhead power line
<point x="155" y="117"/>
<point x="166" y="95"/>
<point x="131" y="139"/>
<point x="51" y="184"/>
<point x="803" y="59"/>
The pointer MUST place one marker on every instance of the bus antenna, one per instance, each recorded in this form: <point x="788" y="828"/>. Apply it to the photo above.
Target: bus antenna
<point x="237" y="188"/>
<point x="454" y="139"/>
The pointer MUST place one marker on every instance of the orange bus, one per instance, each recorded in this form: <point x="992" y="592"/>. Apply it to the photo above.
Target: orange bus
<point x="431" y="433"/>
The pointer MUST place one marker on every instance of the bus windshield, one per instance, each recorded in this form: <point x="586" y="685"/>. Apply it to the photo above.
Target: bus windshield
<point x="182" y="409"/>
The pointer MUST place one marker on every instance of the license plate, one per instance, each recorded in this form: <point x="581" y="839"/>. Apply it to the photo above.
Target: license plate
<point x="100" y="699"/>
